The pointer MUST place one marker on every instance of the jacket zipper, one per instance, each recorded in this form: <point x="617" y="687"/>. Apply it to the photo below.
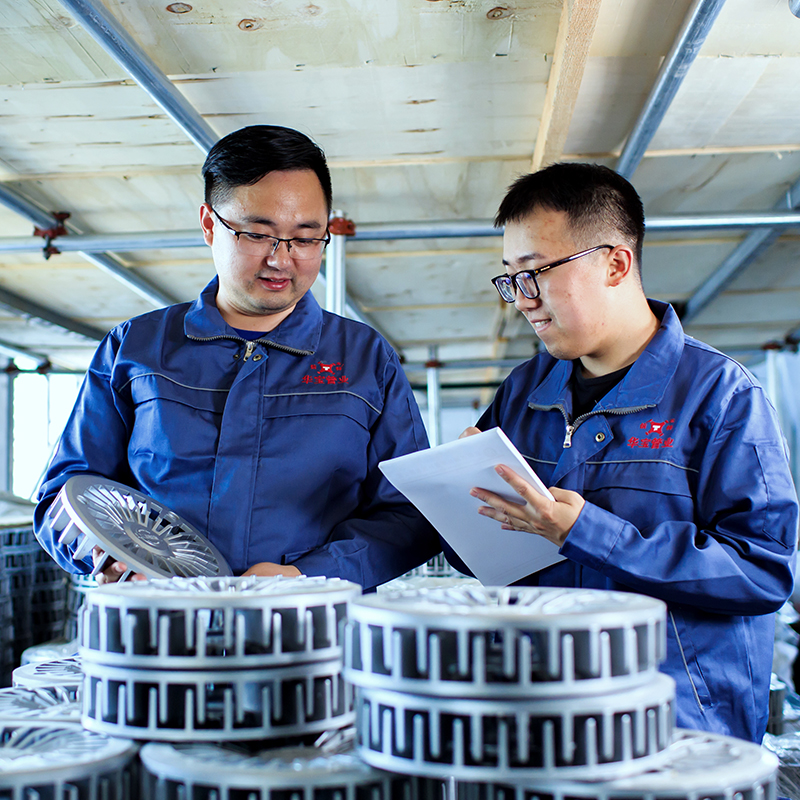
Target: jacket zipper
<point x="571" y="427"/>
<point x="266" y="342"/>
<point x="248" y="350"/>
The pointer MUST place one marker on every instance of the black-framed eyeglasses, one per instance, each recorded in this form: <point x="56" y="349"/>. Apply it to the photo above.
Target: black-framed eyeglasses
<point x="264" y="245"/>
<point x="525" y="280"/>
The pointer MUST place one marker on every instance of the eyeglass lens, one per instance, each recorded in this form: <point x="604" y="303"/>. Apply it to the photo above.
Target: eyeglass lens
<point x="256" y="244"/>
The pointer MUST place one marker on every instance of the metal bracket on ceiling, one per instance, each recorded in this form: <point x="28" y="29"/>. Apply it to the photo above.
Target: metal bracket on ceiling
<point x="49" y="234"/>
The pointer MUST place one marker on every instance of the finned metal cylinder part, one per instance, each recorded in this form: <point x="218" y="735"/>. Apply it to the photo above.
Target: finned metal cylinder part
<point x="486" y="642"/>
<point x="696" y="766"/>
<point x="216" y="705"/>
<point x="194" y="771"/>
<point x="65" y="673"/>
<point x="205" y="623"/>
<point x="601" y="737"/>
<point x="51" y="706"/>
<point x="41" y="762"/>
<point x="132" y="528"/>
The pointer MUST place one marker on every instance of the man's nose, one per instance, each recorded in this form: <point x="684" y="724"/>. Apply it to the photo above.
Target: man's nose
<point x="281" y="253"/>
<point x="523" y="304"/>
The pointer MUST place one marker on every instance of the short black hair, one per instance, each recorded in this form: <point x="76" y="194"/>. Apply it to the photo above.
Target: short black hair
<point x="595" y="199"/>
<point x="244" y="157"/>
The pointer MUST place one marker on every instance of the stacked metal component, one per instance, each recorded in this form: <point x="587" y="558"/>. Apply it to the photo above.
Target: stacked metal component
<point x="37" y="588"/>
<point x="52" y="706"/>
<point x="515" y="684"/>
<point x="64" y="674"/>
<point x="696" y="766"/>
<point x="203" y="771"/>
<point x="51" y="762"/>
<point x="215" y="659"/>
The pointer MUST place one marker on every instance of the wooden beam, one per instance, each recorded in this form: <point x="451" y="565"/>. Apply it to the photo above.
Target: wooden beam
<point x="574" y="38"/>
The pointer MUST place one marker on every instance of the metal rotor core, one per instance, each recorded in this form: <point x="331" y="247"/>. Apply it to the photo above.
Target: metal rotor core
<point x="131" y="528"/>
<point x="47" y="762"/>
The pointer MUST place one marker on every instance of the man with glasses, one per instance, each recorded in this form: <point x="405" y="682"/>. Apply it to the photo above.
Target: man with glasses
<point x="667" y="466"/>
<point x="251" y="412"/>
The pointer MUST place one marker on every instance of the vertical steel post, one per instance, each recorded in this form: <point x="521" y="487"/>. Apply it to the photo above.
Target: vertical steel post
<point x="433" y="366"/>
<point x="336" y="283"/>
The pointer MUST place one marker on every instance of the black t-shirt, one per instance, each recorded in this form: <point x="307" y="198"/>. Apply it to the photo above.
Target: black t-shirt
<point x="587" y="392"/>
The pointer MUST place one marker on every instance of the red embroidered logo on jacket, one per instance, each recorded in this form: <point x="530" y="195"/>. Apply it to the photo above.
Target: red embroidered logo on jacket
<point x="325" y="373"/>
<point x="654" y="435"/>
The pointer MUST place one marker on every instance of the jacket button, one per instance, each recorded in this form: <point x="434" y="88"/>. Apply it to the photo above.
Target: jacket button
<point x="235" y="356"/>
<point x="257" y="357"/>
<point x="601" y="437"/>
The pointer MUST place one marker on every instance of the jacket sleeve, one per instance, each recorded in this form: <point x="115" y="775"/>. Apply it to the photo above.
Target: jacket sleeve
<point x="737" y="555"/>
<point x="387" y="536"/>
<point x="94" y="441"/>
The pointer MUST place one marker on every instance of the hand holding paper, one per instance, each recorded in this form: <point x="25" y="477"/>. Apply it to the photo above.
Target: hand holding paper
<point x="439" y="482"/>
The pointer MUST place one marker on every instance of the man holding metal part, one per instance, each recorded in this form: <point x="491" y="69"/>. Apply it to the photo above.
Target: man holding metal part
<point x="666" y="462"/>
<point x="251" y="412"/>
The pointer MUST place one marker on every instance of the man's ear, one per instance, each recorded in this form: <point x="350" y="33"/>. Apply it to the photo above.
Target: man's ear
<point x="620" y="265"/>
<point x="207" y="223"/>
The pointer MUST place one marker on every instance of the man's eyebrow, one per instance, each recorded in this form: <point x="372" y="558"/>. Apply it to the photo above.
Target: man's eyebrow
<point x="524" y="259"/>
<point x="255" y="220"/>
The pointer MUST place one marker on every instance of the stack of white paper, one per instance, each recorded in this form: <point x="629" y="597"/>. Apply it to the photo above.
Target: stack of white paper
<point x="438" y="482"/>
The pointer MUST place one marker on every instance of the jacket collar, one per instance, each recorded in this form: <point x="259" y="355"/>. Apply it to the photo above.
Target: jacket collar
<point x="300" y="331"/>
<point x="645" y="383"/>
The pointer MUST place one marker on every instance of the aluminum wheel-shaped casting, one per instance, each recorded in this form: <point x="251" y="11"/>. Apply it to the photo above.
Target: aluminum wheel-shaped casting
<point x="476" y="641"/>
<point x="696" y="766"/>
<point x="195" y="771"/>
<point x="604" y="737"/>
<point x="132" y="528"/>
<point x="49" y="651"/>
<point x="65" y="764"/>
<point x="216" y="705"/>
<point x="65" y="673"/>
<point x="50" y="707"/>
<point x="200" y="623"/>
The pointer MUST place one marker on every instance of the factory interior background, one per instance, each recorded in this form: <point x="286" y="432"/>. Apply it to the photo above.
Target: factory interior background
<point x="427" y="110"/>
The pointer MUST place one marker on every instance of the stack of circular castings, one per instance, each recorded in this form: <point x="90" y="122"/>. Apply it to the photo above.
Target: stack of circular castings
<point x="205" y="771"/>
<point x="215" y="659"/>
<point x="52" y="706"/>
<point x="696" y="766"/>
<point x="65" y="674"/>
<point x="493" y="684"/>
<point x="45" y="762"/>
<point x="130" y="527"/>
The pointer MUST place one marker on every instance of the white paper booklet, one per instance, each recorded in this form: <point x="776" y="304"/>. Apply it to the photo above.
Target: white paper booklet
<point x="438" y="482"/>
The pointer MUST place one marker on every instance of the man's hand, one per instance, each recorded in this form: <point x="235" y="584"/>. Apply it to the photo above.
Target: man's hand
<point x="553" y="520"/>
<point x="266" y="569"/>
<point x="113" y="570"/>
<point x="471" y="431"/>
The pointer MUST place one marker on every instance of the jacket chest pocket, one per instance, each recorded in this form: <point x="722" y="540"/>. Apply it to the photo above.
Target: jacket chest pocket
<point x="174" y="419"/>
<point x="644" y="492"/>
<point x="328" y="434"/>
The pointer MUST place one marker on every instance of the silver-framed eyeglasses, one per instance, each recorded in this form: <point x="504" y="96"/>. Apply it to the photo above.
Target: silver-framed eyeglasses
<point x="264" y="245"/>
<point x="525" y="280"/>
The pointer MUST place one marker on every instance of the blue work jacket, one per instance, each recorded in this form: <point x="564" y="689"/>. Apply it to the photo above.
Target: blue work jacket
<point x="689" y="499"/>
<point x="269" y="448"/>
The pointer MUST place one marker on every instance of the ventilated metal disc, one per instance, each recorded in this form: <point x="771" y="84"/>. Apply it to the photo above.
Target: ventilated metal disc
<point x="66" y="673"/>
<point x="696" y="766"/>
<point x="42" y="755"/>
<point x="476" y="641"/>
<point x="50" y="706"/>
<point x="49" y="651"/>
<point x="603" y="737"/>
<point x="200" y="623"/>
<point x="228" y="768"/>
<point x="216" y="705"/>
<point x="131" y="528"/>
